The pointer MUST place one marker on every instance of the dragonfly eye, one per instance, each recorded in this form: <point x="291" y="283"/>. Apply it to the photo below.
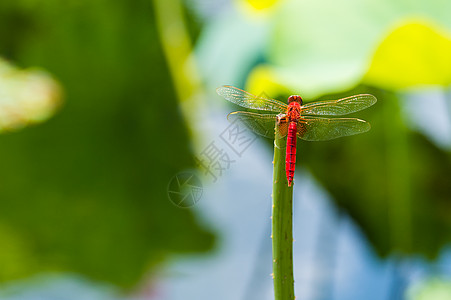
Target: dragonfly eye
<point x="295" y="98"/>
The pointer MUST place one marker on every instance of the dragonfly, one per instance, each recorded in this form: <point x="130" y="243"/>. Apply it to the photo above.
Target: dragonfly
<point x="295" y="119"/>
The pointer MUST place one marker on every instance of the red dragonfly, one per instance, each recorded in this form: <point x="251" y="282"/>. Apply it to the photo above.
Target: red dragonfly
<point x="298" y="119"/>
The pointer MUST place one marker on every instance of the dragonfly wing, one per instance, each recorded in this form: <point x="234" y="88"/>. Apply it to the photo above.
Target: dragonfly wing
<point x="262" y="124"/>
<point x="248" y="100"/>
<point x="323" y="129"/>
<point x="339" y="107"/>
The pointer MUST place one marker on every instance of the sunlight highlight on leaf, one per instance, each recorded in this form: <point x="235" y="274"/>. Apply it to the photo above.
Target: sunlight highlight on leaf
<point x="262" y="79"/>
<point x="432" y="288"/>
<point x="411" y="55"/>
<point x="260" y="5"/>
<point x="26" y="96"/>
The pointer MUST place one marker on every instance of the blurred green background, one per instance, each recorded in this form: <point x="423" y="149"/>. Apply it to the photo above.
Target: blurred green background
<point x="85" y="191"/>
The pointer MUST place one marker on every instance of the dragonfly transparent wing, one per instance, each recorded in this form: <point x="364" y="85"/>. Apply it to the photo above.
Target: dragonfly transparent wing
<point x="339" y="107"/>
<point x="323" y="129"/>
<point x="262" y="124"/>
<point x="248" y="100"/>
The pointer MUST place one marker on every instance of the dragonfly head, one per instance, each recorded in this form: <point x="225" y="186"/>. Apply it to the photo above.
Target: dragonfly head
<point x="295" y="98"/>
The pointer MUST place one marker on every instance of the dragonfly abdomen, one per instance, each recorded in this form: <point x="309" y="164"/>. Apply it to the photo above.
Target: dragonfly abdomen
<point x="290" y="160"/>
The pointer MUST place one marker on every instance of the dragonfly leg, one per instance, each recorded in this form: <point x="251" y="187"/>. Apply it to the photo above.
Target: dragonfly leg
<point x="282" y="118"/>
<point x="282" y="125"/>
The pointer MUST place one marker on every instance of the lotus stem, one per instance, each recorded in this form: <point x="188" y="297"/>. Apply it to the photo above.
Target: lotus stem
<point x="282" y="227"/>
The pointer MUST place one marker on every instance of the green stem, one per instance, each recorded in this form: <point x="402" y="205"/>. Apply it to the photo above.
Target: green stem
<point x="176" y="45"/>
<point x="282" y="227"/>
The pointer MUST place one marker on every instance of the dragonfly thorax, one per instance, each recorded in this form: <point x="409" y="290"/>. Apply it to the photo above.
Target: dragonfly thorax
<point x="295" y="98"/>
<point x="294" y="111"/>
